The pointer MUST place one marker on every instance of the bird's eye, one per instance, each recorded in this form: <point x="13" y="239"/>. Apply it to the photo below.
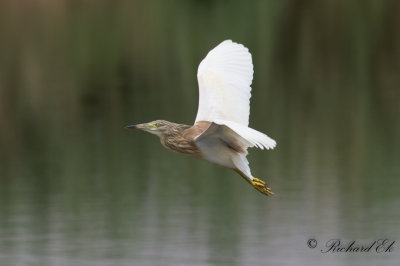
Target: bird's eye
<point x="154" y="125"/>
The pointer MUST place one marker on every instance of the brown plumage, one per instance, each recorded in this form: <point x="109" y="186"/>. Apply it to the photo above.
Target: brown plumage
<point x="180" y="138"/>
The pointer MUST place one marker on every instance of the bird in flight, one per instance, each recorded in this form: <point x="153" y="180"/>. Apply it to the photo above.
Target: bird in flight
<point x="220" y="134"/>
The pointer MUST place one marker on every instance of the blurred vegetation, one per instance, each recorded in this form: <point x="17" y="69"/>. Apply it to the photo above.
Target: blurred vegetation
<point x="73" y="73"/>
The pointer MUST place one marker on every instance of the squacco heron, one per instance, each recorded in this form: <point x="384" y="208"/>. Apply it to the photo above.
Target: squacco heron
<point x="220" y="134"/>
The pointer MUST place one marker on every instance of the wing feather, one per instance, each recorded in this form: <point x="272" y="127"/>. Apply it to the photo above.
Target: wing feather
<point x="224" y="77"/>
<point x="254" y="137"/>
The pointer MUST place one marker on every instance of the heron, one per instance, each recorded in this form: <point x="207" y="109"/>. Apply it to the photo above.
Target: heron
<point x="220" y="134"/>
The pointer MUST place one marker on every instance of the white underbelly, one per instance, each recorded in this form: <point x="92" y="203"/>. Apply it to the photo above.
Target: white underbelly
<point x="216" y="151"/>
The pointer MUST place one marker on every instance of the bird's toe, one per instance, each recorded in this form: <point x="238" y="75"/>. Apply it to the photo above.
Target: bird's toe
<point x="262" y="187"/>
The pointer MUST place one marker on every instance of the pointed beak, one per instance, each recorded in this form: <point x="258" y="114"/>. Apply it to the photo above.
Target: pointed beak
<point x="138" y="126"/>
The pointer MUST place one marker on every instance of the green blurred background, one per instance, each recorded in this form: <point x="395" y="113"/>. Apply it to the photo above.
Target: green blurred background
<point x="76" y="188"/>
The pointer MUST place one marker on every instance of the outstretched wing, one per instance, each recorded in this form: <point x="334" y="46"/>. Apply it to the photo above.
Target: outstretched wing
<point x="224" y="77"/>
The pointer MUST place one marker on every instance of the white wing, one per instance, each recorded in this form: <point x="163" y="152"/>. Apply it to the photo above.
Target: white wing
<point x="237" y="136"/>
<point x="224" y="77"/>
<point x="254" y="137"/>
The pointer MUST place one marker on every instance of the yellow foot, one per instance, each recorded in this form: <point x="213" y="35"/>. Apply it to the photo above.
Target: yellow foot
<point x="261" y="186"/>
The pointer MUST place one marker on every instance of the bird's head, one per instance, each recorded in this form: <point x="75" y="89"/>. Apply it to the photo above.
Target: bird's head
<point x="157" y="127"/>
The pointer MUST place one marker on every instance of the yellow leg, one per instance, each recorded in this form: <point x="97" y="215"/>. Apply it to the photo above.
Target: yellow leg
<point x="256" y="183"/>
